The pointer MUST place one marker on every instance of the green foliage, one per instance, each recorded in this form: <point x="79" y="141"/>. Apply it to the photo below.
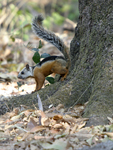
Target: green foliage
<point x="12" y="7"/>
<point x="48" y="21"/>
<point x="36" y="57"/>
<point x="50" y="80"/>
<point x="74" y="11"/>
<point x="65" y="8"/>
<point x="58" y="19"/>
<point x="40" y="44"/>
<point x="12" y="38"/>
<point x="16" y="18"/>
<point x="55" y="18"/>
<point x="19" y="84"/>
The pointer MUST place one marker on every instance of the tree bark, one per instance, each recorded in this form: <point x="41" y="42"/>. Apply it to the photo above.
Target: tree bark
<point x="91" y="73"/>
<point x="95" y="60"/>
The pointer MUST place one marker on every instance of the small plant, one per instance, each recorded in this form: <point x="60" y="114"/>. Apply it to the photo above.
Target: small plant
<point x="36" y="58"/>
<point x="19" y="84"/>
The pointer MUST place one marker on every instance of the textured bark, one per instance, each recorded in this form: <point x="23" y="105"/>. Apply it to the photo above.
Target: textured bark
<point x="96" y="44"/>
<point x="91" y="74"/>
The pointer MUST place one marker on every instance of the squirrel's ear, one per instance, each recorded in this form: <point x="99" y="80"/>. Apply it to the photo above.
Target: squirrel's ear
<point x="27" y="67"/>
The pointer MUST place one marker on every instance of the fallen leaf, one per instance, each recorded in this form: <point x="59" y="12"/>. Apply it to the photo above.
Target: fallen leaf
<point x="57" y="117"/>
<point x="37" y="129"/>
<point x="59" y="144"/>
<point x="109" y="134"/>
<point x="110" y="119"/>
<point x="31" y="124"/>
<point x="90" y="141"/>
<point x="58" y="126"/>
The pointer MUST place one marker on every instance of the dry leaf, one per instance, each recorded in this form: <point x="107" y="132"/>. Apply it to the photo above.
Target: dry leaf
<point x="110" y="119"/>
<point x="110" y="134"/>
<point x="31" y="124"/>
<point x="45" y="121"/>
<point x="58" y="126"/>
<point x="37" y="128"/>
<point x="28" y="112"/>
<point x="57" y="117"/>
<point x="59" y="144"/>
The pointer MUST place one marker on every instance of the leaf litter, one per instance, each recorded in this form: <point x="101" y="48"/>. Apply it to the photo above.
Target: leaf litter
<point x="57" y="128"/>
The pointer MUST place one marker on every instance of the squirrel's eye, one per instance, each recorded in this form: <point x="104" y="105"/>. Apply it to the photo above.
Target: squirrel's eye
<point x="22" y="72"/>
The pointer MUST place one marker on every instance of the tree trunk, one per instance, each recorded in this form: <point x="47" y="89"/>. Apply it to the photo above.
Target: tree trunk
<point x="91" y="74"/>
<point x="94" y="66"/>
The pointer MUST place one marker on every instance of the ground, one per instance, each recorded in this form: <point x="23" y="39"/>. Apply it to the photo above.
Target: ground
<point x="56" y="128"/>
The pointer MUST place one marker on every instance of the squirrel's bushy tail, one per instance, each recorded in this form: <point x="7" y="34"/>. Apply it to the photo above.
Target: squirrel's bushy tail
<point x="49" y="36"/>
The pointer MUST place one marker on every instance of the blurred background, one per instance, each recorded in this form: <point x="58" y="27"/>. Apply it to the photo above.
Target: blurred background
<point x="17" y="38"/>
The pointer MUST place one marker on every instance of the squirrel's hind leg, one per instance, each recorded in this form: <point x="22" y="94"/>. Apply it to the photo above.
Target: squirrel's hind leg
<point x="64" y="76"/>
<point x="60" y="68"/>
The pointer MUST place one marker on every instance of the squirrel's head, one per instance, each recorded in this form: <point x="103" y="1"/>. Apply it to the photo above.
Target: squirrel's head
<point x="25" y="72"/>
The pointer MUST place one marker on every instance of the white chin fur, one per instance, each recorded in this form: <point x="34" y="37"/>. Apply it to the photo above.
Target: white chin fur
<point x="20" y="77"/>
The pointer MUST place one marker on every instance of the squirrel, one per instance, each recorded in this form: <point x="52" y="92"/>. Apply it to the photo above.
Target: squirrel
<point x="52" y="64"/>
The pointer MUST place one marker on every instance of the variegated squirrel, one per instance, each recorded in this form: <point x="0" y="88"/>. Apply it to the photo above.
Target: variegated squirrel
<point x="52" y="64"/>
